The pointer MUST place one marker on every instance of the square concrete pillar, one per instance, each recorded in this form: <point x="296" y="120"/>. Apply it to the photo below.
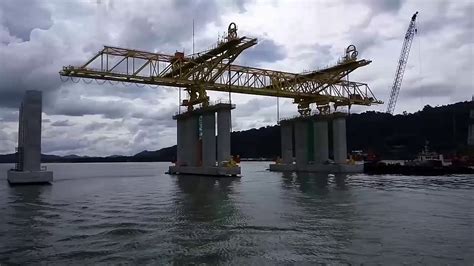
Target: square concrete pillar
<point x="339" y="140"/>
<point x="223" y="135"/>
<point x="301" y="142"/>
<point x="29" y="133"/>
<point x="470" y="134"/>
<point x="180" y="149"/>
<point x="191" y="148"/>
<point x="28" y="169"/>
<point x="286" y="129"/>
<point x="321" y="147"/>
<point x="209" y="139"/>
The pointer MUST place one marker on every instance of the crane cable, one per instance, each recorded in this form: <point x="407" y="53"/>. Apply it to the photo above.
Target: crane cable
<point x="278" y="109"/>
<point x="419" y="47"/>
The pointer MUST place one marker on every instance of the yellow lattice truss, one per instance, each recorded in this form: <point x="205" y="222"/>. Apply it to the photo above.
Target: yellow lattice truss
<point x="213" y="70"/>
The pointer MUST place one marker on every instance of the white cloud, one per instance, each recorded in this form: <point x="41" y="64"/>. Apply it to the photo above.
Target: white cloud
<point x="294" y="35"/>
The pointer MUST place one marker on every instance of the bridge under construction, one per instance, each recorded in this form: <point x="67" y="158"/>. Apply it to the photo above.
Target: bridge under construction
<point x="199" y="151"/>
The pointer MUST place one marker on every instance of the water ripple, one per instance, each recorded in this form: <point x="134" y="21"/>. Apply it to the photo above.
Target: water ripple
<point x="134" y="214"/>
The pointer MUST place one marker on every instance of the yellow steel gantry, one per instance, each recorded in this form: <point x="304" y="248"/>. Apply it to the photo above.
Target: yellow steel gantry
<point x="213" y="70"/>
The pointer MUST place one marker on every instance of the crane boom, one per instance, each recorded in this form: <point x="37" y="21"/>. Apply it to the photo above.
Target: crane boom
<point x="402" y="62"/>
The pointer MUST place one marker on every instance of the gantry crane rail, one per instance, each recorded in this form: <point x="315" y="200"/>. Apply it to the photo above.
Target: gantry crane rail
<point x="213" y="70"/>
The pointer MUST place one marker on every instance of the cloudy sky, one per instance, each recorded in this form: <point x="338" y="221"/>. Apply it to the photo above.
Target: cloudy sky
<point x="38" y="37"/>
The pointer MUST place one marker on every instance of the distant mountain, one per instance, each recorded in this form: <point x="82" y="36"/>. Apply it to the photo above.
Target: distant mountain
<point x="256" y="143"/>
<point x="72" y="156"/>
<point x="162" y="155"/>
<point x="390" y="136"/>
<point x="11" y="158"/>
<point x="7" y="158"/>
<point x="403" y="136"/>
<point x="48" y="157"/>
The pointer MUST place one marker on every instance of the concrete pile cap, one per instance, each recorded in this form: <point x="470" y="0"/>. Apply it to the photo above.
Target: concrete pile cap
<point x="206" y="109"/>
<point x="316" y="117"/>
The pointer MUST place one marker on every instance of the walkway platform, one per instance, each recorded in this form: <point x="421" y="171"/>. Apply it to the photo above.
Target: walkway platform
<point x="216" y="171"/>
<point x="29" y="177"/>
<point x="318" y="168"/>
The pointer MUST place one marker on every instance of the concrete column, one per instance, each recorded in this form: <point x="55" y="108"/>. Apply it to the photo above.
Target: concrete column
<point x="301" y="142"/>
<point x="209" y="139"/>
<point x="20" y="158"/>
<point x="192" y="140"/>
<point x="321" y="147"/>
<point x="29" y="141"/>
<point x="339" y="139"/>
<point x="223" y="135"/>
<point x="28" y="168"/>
<point x="470" y="136"/>
<point x="286" y="142"/>
<point x="180" y="150"/>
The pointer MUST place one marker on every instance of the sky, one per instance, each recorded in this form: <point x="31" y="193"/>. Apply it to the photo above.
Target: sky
<point x="38" y="38"/>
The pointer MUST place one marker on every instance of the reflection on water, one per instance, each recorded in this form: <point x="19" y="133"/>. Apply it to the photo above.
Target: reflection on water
<point x="30" y="219"/>
<point x="203" y="210"/>
<point x="316" y="182"/>
<point x="327" y="213"/>
<point x="133" y="213"/>
<point x="205" y="199"/>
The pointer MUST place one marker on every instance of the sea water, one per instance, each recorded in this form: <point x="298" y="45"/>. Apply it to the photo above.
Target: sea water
<point x="135" y="213"/>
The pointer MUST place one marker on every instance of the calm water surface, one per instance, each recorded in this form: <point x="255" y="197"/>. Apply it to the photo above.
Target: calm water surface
<point x="134" y="213"/>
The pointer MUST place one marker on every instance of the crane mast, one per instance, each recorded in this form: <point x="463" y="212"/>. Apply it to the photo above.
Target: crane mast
<point x="402" y="62"/>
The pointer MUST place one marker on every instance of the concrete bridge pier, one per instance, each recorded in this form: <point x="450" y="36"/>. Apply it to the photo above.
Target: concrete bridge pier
<point x="311" y="137"/>
<point x="196" y="154"/>
<point x="28" y="167"/>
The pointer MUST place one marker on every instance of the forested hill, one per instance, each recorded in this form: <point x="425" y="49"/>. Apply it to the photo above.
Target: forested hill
<point x="402" y="136"/>
<point x="391" y="137"/>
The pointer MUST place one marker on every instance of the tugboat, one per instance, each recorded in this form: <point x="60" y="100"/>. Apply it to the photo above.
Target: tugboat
<point x="427" y="158"/>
